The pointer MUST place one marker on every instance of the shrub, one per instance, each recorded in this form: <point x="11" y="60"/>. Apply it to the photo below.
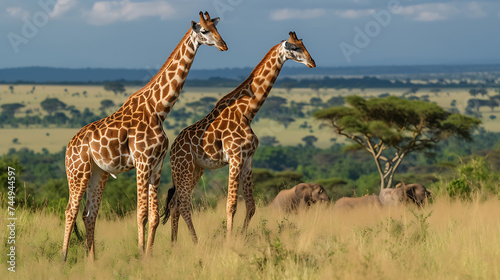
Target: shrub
<point x="475" y="177"/>
<point x="459" y="188"/>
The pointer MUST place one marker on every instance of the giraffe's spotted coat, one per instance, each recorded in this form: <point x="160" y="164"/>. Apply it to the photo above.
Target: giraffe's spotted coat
<point x="224" y="137"/>
<point x="132" y="137"/>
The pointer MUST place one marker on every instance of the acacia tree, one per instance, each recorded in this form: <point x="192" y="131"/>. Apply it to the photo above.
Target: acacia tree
<point x="52" y="104"/>
<point x="107" y="103"/>
<point x="11" y="108"/>
<point x="390" y="128"/>
<point x="115" y="87"/>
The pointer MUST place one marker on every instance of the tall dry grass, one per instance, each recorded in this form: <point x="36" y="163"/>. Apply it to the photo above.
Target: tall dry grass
<point x="446" y="240"/>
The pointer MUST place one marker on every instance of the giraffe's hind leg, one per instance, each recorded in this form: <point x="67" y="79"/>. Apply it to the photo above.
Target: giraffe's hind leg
<point x="247" y="186"/>
<point x="174" y="214"/>
<point x="78" y="173"/>
<point x="184" y="180"/>
<point x="235" y="169"/>
<point x="95" y="189"/>
<point x="153" y="209"/>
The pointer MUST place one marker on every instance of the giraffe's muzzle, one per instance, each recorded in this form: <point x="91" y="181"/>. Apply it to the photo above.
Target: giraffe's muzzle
<point x="311" y="63"/>
<point x="222" y="46"/>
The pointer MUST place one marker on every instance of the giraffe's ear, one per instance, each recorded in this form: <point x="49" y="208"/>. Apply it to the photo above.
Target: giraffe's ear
<point x="215" y="21"/>
<point x="195" y="26"/>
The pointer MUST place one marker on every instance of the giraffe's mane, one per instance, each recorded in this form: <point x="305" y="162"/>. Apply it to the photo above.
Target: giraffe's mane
<point x="167" y="63"/>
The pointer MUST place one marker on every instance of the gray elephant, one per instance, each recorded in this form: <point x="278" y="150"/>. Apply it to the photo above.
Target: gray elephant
<point x="302" y="194"/>
<point x="348" y="203"/>
<point x="402" y="194"/>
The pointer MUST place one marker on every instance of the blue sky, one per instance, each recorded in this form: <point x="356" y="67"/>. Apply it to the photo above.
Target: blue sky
<point x="141" y="34"/>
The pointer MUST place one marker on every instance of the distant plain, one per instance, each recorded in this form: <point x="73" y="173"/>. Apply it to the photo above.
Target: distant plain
<point x="54" y="138"/>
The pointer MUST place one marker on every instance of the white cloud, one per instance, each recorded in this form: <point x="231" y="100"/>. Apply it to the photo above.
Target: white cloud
<point x="115" y="11"/>
<point x="354" y="14"/>
<point x="474" y="10"/>
<point x="430" y="12"/>
<point x="443" y="11"/>
<point x="62" y="6"/>
<point x="285" y="14"/>
<point x="17" y="12"/>
<point x="430" y="16"/>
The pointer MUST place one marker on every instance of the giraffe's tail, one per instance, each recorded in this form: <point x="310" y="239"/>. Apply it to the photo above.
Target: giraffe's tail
<point x="166" y="212"/>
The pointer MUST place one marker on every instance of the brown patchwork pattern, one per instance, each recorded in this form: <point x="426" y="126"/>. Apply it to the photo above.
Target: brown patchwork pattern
<point x="224" y="137"/>
<point x="132" y="137"/>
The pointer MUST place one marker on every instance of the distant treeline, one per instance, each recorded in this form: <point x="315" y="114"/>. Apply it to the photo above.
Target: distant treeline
<point x="313" y="83"/>
<point x="364" y="82"/>
<point x="324" y="76"/>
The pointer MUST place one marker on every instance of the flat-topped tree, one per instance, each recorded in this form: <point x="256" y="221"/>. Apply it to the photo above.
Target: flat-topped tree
<point x="11" y="108"/>
<point x="390" y="128"/>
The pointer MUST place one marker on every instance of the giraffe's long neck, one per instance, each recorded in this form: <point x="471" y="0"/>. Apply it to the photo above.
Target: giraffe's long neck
<point x="262" y="79"/>
<point x="164" y="88"/>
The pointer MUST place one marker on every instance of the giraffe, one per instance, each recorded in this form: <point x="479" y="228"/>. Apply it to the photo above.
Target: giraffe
<point x="132" y="137"/>
<point x="224" y="137"/>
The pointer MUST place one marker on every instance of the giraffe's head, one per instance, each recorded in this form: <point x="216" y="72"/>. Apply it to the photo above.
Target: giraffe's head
<point x="206" y="33"/>
<point x="295" y="50"/>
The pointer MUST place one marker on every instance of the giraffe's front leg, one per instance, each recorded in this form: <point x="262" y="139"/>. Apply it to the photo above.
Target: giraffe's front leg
<point x="77" y="188"/>
<point x="247" y="186"/>
<point x="153" y="209"/>
<point x="142" y="202"/>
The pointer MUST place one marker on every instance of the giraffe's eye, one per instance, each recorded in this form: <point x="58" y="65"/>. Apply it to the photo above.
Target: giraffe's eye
<point x="203" y="31"/>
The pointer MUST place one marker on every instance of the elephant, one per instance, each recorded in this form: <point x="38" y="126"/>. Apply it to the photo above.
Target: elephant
<point x="403" y="194"/>
<point x="302" y="194"/>
<point x="348" y="203"/>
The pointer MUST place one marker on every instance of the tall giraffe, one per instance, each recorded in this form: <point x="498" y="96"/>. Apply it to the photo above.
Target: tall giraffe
<point x="132" y="137"/>
<point x="224" y="137"/>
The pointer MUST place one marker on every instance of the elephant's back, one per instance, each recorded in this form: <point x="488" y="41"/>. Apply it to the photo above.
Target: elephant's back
<point x="346" y="203"/>
<point x="285" y="199"/>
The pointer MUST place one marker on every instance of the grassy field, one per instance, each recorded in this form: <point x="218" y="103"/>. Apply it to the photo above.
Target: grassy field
<point x="55" y="138"/>
<point x="446" y="240"/>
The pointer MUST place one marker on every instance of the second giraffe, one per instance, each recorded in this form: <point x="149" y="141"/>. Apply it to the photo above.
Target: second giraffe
<point x="224" y="137"/>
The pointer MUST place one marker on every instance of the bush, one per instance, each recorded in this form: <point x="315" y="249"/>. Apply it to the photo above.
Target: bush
<point x="475" y="177"/>
<point x="458" y="188"/>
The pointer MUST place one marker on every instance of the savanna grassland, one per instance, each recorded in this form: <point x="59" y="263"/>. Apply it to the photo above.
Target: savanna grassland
<point x="455" y="237"/>
<point x="445" y="240"/>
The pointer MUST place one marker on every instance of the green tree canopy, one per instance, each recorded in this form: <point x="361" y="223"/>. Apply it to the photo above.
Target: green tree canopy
<point x="310" y="140"/>
<point x="11" y="108"/>
<point x="115" y="87"/>
<point x="107" y="103"/>
<point x="268" y="141"/>
<point x="390" y="128"/>
<point x="52" y="104"/>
